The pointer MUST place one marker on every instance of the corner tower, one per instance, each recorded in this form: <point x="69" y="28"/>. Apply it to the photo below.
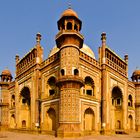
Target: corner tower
<point x="136" y="80"/>
<point x="69" y="41"/>
<point x="5" y="80"/>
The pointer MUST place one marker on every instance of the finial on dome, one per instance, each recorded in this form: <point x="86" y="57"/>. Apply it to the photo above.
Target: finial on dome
<point x="69" y="5"/>
<point x="38" y="38"/>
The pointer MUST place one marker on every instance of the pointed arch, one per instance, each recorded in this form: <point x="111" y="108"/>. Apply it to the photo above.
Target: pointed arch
<point x="117" y="96"/>
<point x="51" y="119"/>
<point x="26" y="96"/>
<point x="89" y="86"/>
<point x="130" y="100"/>
<point x="52" y="85"/>
<point x="89" y="120"/>
<point x="12" y="121"/>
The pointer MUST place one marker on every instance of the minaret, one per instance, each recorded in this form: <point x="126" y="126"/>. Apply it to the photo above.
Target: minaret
<point x="104" y="86"/>
<point x="69" y="41"/>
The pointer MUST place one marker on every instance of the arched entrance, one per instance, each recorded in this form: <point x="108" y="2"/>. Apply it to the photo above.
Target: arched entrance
<point x="51" y="119"/>
<point x="12" y="121"/>
<point x="89" y="120"/>
<point x="117" y="111"/>
<point x="118" y="124"/>
<point x="130" y="122"/>
<point x="25" y="101"/>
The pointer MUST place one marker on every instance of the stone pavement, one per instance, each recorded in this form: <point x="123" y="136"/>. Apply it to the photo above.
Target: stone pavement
<point x="23" y="136"/>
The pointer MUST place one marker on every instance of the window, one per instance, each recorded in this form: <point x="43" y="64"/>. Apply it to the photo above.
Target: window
<point x="119" y="101"/>
<point x="89" y="92"/>
<point x="62" y="72"/>
<point x="51" y="91"/>
<point x="23" y="101"/>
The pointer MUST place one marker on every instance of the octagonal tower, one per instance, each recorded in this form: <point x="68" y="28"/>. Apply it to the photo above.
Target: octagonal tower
<point x="69" y="41"/>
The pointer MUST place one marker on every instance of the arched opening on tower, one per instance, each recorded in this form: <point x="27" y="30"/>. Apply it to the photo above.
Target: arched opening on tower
<point x="62" y="72"/>
<point x="75" y="27"/>
<point x="52" y="85"/>
<point x="89" y="86"/>
<point x="51" y="119"/>
<point x="89" y="120"/>
<point x="76" y="72"/>
<point x="69" y="26"/>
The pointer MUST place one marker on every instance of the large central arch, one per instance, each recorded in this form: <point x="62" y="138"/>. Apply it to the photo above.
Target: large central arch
<point x="25" y="105"/>
<point x="117" y="111"/>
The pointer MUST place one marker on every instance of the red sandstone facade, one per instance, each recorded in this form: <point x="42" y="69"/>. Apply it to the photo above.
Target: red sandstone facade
<point x="71" y="93"/>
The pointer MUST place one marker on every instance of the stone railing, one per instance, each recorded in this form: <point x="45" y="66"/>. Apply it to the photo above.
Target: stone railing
<point x="50" y="60"/>
<point x="116" y="67"/>
<point x="89" y="59"/>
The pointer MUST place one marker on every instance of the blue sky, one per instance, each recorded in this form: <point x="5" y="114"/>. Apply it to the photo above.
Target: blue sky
<point x="20" y="20"/>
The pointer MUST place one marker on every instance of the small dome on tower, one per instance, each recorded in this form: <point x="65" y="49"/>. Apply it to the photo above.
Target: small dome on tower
<point x="136" y="76"/>
<point x="136" y="73"/>
<point x="69" y="12"/>
<point x="6" y="72"/>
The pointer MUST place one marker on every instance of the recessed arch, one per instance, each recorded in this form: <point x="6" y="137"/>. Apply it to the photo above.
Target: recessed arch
<point x="23" y="123"/>
<point x="130" y="100"/>
<point x="12" y="121"/>
<point x="89" y="120"/>
<point x="89" y="86"/>
<point x="52" y="85"/>
<point x="51" y="119"/>
<point x="117" y="96"/>
<point x="26" y="97"/>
